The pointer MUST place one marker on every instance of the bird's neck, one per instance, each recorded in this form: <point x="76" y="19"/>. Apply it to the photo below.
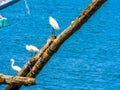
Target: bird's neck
<point x="12" y="64"/>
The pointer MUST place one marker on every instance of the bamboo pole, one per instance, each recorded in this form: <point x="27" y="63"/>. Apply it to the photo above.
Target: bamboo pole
<point x="66" y="34"/>
<point x="27" y="81"/>
<point x="47" y="54"/>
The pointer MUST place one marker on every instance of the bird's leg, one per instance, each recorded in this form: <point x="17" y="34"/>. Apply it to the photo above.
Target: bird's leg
<point x="29" y="66"/>
<point x="53" y="32"/>
<point x="32" y="54"/>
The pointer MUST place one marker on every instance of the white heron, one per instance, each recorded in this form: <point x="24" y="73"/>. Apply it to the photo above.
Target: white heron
<point x="16" y="68"/>
<point x="54" y="24"/>
<point x="32" y="48"/>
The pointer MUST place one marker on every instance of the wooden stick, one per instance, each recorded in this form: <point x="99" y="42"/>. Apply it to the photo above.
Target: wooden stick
<point x="4" y="79"/>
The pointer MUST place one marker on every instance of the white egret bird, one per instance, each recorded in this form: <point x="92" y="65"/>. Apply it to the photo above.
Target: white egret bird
<point x="16" y="68"/>
<point x="54" y="24"/>
<point x="32" y="48"/>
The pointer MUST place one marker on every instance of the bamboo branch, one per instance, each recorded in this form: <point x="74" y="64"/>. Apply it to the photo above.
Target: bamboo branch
<point x="27" y="81"/>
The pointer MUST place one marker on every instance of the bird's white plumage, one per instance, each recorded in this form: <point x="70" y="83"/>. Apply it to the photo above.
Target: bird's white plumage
<point x="53" y="23"/>
<point x="16" y="68"/>
<point x="32" y="48"/>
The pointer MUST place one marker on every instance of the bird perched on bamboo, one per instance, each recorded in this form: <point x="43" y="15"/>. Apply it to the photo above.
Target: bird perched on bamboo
<point x="54" y="25"/>
<point x="32" y="48"/>
<point x="16" y="68"/>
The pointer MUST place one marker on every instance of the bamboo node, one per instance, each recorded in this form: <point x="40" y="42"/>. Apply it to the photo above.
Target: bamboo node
<point x="51" y="50"/>
<point x="42" y="61"/>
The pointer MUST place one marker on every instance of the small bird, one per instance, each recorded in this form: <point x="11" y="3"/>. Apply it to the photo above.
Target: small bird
<point x="32" y="48"/>
<point x="54" y="24"/>
<point x="16" y="68"/>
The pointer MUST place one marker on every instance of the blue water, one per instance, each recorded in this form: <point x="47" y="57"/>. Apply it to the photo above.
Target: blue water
<point x="89" y="60"/>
